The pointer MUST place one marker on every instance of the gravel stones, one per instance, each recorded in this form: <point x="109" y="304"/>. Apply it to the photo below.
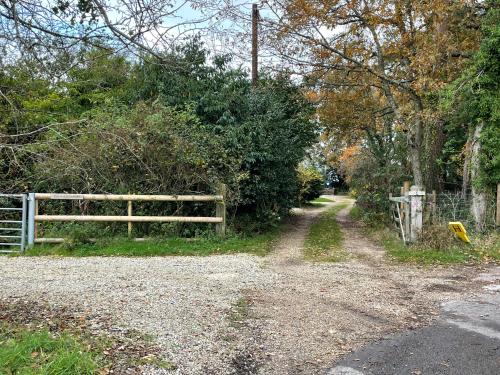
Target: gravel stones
<point x="293" y="317"/>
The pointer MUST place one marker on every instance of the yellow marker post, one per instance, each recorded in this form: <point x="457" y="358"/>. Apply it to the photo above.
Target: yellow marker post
<point x="458" y="228"/>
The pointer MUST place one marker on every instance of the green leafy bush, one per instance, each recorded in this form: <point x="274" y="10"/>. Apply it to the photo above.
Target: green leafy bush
<point x="311" y="183"/>
<point x="172" y="128"/>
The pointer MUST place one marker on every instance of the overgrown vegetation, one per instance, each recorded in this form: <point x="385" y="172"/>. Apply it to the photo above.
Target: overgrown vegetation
<point x="311" y="184"/>
<point x="27" y="351"/>
<point x="429" y="116"/>
<point x="324" y="240"/>
<point x="38" y="339"/>
<point x="438" y="245"/>
<point x="183" y="126"/>
<point x="258" y="244"/>
<point x="402" y="90"/>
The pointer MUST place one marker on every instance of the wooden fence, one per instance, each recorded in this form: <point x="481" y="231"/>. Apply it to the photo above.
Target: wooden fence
<point x="34" y="217"/>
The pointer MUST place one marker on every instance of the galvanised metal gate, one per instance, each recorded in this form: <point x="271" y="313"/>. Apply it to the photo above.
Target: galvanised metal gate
<point x="13" y="210"/>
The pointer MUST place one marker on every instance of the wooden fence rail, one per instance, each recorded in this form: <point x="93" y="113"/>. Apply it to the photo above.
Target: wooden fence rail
<point x="33" y="216"/>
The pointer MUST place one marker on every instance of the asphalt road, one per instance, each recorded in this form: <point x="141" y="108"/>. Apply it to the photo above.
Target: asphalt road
<point x="465" y="340"/>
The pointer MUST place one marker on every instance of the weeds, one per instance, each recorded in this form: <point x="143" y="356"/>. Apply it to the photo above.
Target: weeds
<point x="323" y="243"/>
<point x="239" y="312"/>
<point x="437" y="245"/>
<point x="26" y="351"/>
<point x="260" y="244"/>
<point x="36" y="339"/>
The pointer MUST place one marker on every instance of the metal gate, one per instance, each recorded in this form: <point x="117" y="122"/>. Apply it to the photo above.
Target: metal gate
<point x="400" y="214"/>
<point x="13" y="209"/>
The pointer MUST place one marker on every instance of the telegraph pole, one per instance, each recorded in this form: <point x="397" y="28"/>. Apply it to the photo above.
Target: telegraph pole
<point x="255" y="45"/>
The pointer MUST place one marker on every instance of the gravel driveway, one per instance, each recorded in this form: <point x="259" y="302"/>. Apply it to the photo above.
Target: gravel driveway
<point x="184" y="301"/>
<point x="295" y="317"/>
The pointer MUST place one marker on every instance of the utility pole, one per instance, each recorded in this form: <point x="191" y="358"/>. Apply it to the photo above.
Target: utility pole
<point x="255" y="45"/>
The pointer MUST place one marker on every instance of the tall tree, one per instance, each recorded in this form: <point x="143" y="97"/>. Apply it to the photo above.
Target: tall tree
<point x="472" y="103"/>
<point x="401" y="48"/>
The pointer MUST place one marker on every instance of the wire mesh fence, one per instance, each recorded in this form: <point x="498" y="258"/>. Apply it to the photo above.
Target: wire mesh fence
<point x="454" y="206"/>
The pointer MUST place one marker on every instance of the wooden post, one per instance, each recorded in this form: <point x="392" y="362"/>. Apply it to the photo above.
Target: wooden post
<point x="498" y="205"/>
<point x="220" y="211"/>
<point x="36" y="214"/>
<point x="416" y="218"/>
<point x="406" y="186"/>
<point x="129" y="213"/>
<point x="433" y="206"/>
<point x="255" y="45"/>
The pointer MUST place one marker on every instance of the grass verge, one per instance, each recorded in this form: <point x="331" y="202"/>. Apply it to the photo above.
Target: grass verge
<point x="438" y="245"/>
<point x="202" y="246"/>
<point x="37" y="339"/>
<point x="322" y="200"/>
<point x="324" y="240"/>
<point x="26" y="351"/>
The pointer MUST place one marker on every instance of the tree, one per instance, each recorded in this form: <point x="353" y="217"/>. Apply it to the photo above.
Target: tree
<point x="44" y="30"/>
<point x="472" y="103"/>
<point x="402" y="49"/>
<point x="112" y="125"/>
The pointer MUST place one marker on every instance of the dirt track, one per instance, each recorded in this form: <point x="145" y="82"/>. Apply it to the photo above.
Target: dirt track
<point x="243" y="314"/>
<point x="315" y="312"/>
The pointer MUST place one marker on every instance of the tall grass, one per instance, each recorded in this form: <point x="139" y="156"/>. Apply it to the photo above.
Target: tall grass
<point x="30" y="352"/>
<point x="201" y="246"/>
<point x="436" y="246"/>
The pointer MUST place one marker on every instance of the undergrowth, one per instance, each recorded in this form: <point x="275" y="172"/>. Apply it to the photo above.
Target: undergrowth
<point x="259" y="244"/>
<point x="32" y="352"/>
<point x="436" y="246"/>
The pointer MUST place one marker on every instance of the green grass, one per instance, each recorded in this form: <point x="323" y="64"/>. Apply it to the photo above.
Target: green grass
<point x="356" y="213"/>
<point x="318" y="202"/>
<point x="395" y="247"/>
<point x="323" y="243"/>
<point x="29" y="352"/>
<point x="321" y="200"/>
<point x="438" y="246"/>
<point x="202" y="246"/>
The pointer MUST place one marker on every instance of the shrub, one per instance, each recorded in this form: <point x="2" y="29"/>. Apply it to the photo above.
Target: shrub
<point x="311" y="183"/>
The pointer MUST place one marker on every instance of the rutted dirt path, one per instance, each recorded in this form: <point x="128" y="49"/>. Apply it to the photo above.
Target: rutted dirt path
<point x="243" y="314"/>
<point x="315" y="312"/>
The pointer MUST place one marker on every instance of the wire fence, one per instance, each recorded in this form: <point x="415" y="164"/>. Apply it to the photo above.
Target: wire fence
<point x="455" y="206"/>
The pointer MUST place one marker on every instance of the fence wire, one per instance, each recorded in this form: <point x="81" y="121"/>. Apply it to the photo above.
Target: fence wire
<point x="454" y="206"/>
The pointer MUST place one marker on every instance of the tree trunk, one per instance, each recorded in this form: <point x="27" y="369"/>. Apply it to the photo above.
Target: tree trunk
<point x="478" y="206"/>
<point x="467" y="162"/>
<point x="414" y="139"/>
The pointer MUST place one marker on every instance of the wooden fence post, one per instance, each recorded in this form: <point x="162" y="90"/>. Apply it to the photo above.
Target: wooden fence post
<point x="498" y="205"/>
<point x="129" y="213"/>
<point x="433" y="206"/>
<point x="220" y="211"/>
<point x="406" y="186"/>
<point x="36" y="225"/>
